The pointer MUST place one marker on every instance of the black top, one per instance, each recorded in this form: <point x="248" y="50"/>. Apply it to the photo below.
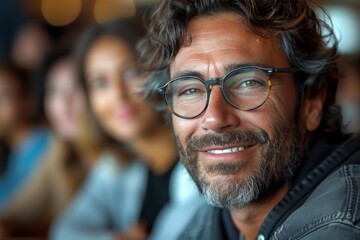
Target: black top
<point x="157" y="194"/>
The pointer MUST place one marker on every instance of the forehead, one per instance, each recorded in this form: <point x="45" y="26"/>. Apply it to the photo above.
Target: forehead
<point x="62" y="67"/>
<point x="109" y="45"/>
<point x="107" y="53"/>
<point x="223" y="39"/>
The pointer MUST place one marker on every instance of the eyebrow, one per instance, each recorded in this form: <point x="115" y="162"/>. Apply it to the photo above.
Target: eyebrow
<point x="227" y="68"/>
<point x="188" y="73"/>
<point x="232" y="66"/>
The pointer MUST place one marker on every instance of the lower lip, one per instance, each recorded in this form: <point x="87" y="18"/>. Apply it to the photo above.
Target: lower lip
<point x="227" y="157"/>
<point x="125" y="114"/>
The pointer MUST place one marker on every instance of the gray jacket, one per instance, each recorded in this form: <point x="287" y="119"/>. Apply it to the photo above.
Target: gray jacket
<point x="324" y="202"/>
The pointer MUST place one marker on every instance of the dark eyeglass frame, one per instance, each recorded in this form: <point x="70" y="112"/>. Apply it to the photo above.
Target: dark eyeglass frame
<point x="220" y="81"/>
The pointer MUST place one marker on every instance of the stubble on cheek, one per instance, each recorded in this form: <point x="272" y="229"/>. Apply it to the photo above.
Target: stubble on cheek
<point x="207" y="173"/>
<point x="240" y="183"/>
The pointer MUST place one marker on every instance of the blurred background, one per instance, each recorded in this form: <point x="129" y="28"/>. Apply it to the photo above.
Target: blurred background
<point x="31" y="29"/>
<point x="63" y="20"/>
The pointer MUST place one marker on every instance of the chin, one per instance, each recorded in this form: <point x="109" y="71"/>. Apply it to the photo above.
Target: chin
<point x="230" y="192"/>
<point x="235" y="188"/>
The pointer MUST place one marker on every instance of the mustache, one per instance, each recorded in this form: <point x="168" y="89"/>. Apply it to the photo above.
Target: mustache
<point x="243" y="137"/>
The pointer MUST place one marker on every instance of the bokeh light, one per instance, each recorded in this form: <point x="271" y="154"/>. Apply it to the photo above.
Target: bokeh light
<point x="60" y="12"/>
<point x="346" y="22"/>
<point x="106" y="10"/>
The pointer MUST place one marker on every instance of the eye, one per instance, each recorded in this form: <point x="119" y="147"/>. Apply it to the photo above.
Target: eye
<point x="187" y="88"/>
<point x="250" y="79"/>
<point x="244" y="83"/>
<point x="98" y="84"/>
<point x="51" y="90"/>
<point x="131" y="74"/>
<point x="189" y="91"/>
<point x="251" y="83"/>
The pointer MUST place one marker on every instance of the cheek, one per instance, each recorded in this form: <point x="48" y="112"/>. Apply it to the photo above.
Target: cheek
<point x="101" y="106"/>
<point x="147" y="114"/>
<point x="53" y="108"/>
<point x="277" y="109"/>
<point x="185" y="128"/>
<point x="79" y="104"/>
<point x="282" y="103"/>
<point x="8" y="113"/>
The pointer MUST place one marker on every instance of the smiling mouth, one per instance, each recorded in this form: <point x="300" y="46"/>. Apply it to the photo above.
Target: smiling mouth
<point x="229" y="150"/>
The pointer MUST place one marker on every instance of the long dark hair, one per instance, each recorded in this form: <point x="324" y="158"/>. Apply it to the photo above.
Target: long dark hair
<point x="4" y="156"/>
<point x="40" y="77"/>
<point x="21" y="78"/>
<point x="130" y="31"/>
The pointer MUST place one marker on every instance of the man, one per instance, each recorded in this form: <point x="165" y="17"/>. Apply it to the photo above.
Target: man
<point x="251" y="85"/>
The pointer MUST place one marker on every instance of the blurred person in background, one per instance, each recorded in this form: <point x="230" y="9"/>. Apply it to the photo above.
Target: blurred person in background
<point x="75" y="147"/>
<point x="348" y="93"/>
<point x="25" y="142"/>
<point x="31" y="45"/>
<point x="122" y="200"/>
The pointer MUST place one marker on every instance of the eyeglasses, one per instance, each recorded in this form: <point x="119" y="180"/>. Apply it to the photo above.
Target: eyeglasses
<point x="245" y="88"/>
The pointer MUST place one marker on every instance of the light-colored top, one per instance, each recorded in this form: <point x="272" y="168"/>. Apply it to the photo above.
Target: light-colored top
<point x="111" y="202"/>
<point x="185" y="200"/>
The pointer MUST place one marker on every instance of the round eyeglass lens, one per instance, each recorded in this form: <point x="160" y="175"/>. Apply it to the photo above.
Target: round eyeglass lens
<point x="186" y="96"/>
<point x="247" y="88"/>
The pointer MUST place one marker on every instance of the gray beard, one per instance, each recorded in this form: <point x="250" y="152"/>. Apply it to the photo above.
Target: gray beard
<point x="278" y="159"/>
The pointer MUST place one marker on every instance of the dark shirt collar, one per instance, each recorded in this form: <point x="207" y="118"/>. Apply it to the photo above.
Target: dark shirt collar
<point x="317" y="153"/>
<point x="227" y="227"/>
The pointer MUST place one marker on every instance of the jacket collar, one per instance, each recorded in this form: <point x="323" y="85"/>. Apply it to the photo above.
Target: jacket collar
<point x="323" y="158"/>
<point x="321" y="161"/>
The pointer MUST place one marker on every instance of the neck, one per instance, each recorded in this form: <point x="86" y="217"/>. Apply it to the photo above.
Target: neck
<point x="249" y="220"/>
<point x="158" y="149"/>
<point x="86" y="156"/>
<point x="87" y="159"/>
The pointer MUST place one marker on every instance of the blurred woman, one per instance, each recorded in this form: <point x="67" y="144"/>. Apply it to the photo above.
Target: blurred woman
<point x="348" y="93"/>
<point x="75" y="148"/>
<point x="122" y="201"/>
<point x="23" y="144"/>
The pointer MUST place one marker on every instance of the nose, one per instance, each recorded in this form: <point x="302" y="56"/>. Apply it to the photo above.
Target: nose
<point x="69" y="98"/>
<point x="120" y="90"/>
<point x="219" y="116"/>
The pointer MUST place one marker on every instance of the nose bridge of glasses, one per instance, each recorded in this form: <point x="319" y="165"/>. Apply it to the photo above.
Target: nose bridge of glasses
<point x="216" y="81"/>
<point x="211" y="82"/>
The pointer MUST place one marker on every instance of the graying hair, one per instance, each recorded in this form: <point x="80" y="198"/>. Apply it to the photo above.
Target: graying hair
<point x="308" y="42"/>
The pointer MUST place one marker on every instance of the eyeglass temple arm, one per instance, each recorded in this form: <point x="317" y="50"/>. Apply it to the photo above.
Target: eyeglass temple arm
<point x="284" y="70"/>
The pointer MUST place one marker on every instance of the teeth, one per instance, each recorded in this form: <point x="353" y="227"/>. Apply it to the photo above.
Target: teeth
<point x="228" y="150"/>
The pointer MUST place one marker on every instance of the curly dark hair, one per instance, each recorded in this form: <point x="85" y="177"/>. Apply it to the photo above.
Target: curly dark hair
<point x="308" y="42"/>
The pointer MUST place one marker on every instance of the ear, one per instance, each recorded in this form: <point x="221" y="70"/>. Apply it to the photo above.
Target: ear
<point x="312" y="110"/>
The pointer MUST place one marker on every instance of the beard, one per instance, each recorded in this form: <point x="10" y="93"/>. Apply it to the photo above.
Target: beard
<point x="278" y="158"/>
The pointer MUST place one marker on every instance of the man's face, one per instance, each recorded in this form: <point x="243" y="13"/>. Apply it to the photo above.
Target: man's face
<point x="236" y="157"/>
